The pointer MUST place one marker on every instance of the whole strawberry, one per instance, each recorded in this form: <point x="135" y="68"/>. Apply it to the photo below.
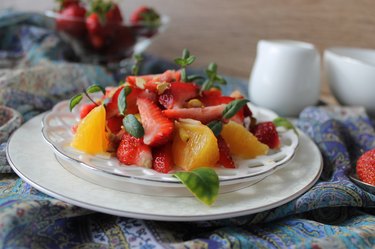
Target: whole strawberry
<point x="366" y="167"/>
<point x="102" y="23"/>
<point x="71" y="19"/>
<point x="266" y="133"/>
<point x="145" y="15"/>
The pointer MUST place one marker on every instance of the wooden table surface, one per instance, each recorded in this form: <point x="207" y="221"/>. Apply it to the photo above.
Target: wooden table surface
<point x="226" y="32"/>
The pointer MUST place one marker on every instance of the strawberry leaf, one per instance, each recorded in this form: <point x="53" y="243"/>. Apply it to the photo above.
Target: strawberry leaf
<point x="95" y="88"/>
<point x="233" y="107"/>
<point x="133" y="126"/>
<point x="202" y="182"/>
<point x="283" y="122"/>
<point x="75" y="101"/>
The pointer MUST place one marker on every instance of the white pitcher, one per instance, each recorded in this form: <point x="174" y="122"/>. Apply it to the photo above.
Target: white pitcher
<point x="285" y="76"/>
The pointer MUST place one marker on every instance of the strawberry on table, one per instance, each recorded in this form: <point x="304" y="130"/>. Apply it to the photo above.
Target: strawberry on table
<point x="132" y="151"/>
<point x="267" y="134"/>
<point x="366" y="167"/>
<point x="158" y="128"/>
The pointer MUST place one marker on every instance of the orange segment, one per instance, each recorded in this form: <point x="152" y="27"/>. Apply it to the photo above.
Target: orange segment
<point x="241" y="142"/>
<point x="91" y="136"/>
<point x="194" y="145"/>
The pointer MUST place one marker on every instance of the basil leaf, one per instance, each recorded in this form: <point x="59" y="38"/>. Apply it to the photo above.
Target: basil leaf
<point x="202" y="182"/>
<point x="216" y="126"/>
<point x="185" y="53"/>
<point x="75" y="101"/>
<point x="95" y="88"/>
<point x="133" y="126"/>
<point x="283" y="122"/>
<point x="121" y="100"/>
<point x="190" y="60"/>
<point x="233" y="107"/>
<point x="180" y="62"/>
<point x="194" y="77"/>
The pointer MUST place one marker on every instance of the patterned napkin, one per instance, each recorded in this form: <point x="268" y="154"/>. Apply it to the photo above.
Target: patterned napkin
<point x="333" y="213"/>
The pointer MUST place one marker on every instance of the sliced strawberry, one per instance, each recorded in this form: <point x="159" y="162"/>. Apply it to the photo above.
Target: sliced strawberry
<point x="366" y="167"/>
<point x="85" y="109"/>
<point x="158" y="129"/>
<point x="162" y="158"/>
<point x="114" y="124"/>
<point x="225" y="157"/>
<point x="131" y="100"/>
<point x="178" y="94"/>
<point x="132" y="151"/>
<point x="213" y="92"/>
<point x="203" y="114"/>
<point x="266" y="133"/>
<point x="148" y="81"/>
<point x="112" y="104"/>
<point x="213" y="99"/>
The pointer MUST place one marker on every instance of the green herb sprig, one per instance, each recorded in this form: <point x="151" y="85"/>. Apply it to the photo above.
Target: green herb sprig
<point x="230" y="110"/>
<point x="212" y="78"/>
<point x="185" y="60"/>
<point x="135" y="68"/>
<point x="75" y="100"/>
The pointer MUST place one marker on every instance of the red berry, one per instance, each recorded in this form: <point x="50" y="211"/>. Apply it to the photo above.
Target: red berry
<point x="366" y="167"/>
<point x="225" y="157"/>
<point x="266" y="133"/>
<point x="71" y="20"/>
<point x="132" y="151"/>
<point x="144" y="15"/>
<point x="162" y="158"/>
<point x="103" y="22"/>
<point x="158" y="129"/>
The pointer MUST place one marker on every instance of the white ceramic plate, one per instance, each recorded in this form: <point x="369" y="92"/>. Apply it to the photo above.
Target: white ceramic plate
<point x="38" y="166"/>
<point x="109" y="172"/>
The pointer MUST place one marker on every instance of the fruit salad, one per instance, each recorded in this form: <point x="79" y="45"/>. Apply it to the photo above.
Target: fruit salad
<point x="171" y="122"/>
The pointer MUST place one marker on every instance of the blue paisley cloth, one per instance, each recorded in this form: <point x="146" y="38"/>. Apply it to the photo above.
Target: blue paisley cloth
<point x="34" y="76"/>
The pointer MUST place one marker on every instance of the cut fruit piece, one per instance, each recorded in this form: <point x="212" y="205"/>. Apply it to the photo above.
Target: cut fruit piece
<point x="202" y="114"/>
<point x="194" y="146"/>
<point x="132" y="151"/>
<point x="158" y="129"/>
<point x="91" y="136"/>
<point x="241" y="142"/>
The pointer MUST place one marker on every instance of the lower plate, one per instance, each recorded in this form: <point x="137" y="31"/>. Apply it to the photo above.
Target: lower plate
<point x="39" y="167"/>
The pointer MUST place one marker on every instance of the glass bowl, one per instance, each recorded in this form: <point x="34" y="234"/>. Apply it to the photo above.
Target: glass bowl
<point x="121" y="43"/>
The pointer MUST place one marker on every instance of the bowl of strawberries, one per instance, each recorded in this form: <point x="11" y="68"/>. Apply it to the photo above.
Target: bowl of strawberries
<point x="99" y="33"/>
